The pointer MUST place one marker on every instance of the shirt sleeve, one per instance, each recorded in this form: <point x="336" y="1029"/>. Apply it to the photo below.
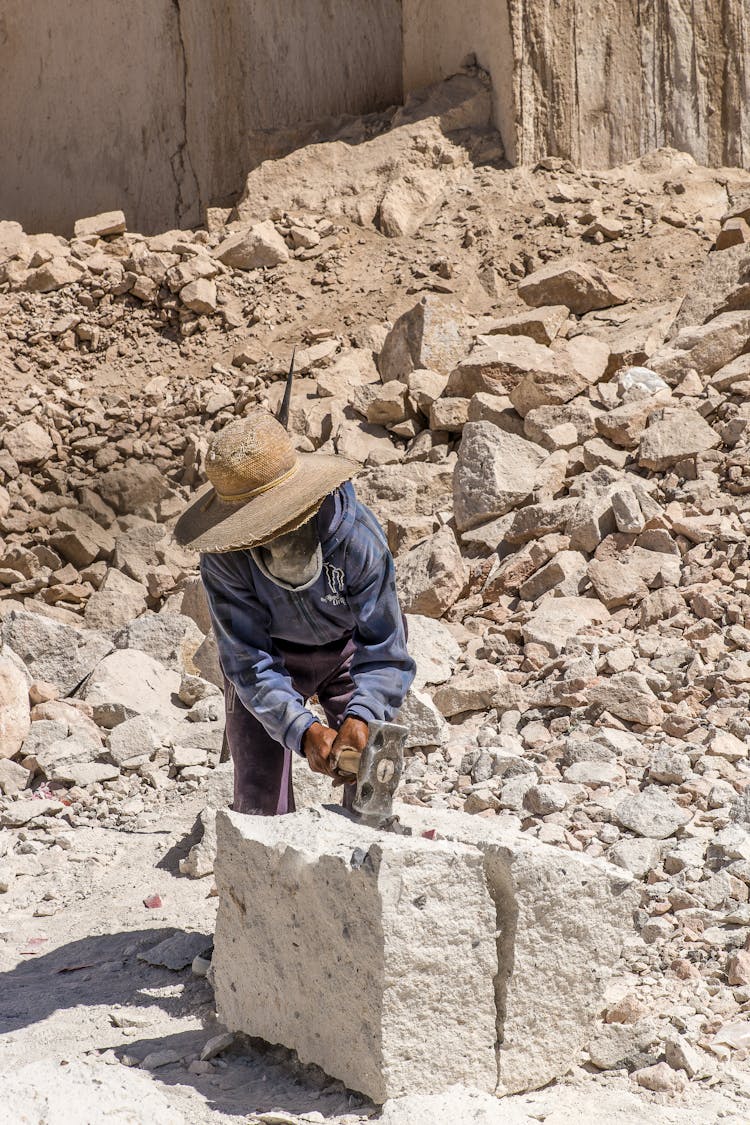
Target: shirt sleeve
<point x="247" y="655"/>
<point x="381" y="668"/>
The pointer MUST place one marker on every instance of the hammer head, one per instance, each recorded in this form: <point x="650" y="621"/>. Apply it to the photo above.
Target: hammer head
<point x="379" y="771"/>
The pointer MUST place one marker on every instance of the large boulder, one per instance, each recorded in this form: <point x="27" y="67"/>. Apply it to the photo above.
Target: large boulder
<point x="507" y="907"/>
<point x="63" y="655"/>
<point x="577" y="285"/>
<point x="14" y="706"/>
<point x="431" y="577"/>
<point x="128" y="683"/>
<point x="495" y="472"/>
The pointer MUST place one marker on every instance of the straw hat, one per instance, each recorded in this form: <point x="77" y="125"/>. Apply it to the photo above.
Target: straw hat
<point x="260" y="487"/>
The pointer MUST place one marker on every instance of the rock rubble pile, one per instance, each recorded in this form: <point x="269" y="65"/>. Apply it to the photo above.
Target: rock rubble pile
<point x="558" y="451"/>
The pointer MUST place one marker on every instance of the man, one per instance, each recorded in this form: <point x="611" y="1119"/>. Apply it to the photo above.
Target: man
<point x="301" y="588"/>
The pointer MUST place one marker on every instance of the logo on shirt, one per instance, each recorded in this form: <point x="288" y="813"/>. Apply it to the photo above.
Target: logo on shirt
<point x="335" y="579"/>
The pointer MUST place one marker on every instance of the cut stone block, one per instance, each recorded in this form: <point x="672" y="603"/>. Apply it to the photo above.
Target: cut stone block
<point x="370" y="954"/>
<point x="397" y="934"/>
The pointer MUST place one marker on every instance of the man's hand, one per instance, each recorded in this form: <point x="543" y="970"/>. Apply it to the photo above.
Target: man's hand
<point x="316" y="746"/>
<point x="353" y="735"/>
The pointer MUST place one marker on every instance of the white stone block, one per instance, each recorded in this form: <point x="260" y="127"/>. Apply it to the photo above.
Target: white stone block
<point x="370" y="954"/>
<point x="382" y="970"/>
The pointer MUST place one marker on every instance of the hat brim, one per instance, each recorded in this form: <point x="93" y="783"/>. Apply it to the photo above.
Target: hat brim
<point x="214" y="526"/>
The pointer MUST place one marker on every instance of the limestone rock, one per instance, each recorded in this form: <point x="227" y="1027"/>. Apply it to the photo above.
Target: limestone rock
<point x="477" y="690"/>
<point x="566" y="573"/>
<point x="679" y="434"/>
<point x="433" y="647"/>
<point x="423" y="720"/>
<point x="118" y="600"/>
<point x="499" y="363"/>
<point x="259" y="247"/>
<point x="429" y="335"/>
<point x="200" y="295"/>
<point x="52" y="651"/>
<point x="558" y="619"/>
<point x="79" y="539"/>
<point x="28" y="443"/>
<point x="577" y="285"/>
<point x="99" y="226"/>
<point x="431" y="576"/>
<point x="616" y="583"/>
<point x="541" y="894"/>
<point x="128" y="683"/>
<point x="135" y="490"/>
<point x="703" y="349"/>
<point x="652" y="814"/>
<point x="299" y="881"/>
<point x="627" y="696"/>
<point x="52" y="275"/>
<point x="14" y="777"/>
<point x="14" y="707"/>
<point x="542" y="324"/>
<point x="494" y="473"/>
<point x="409" y="202"/>
<point x="170" y="638"/>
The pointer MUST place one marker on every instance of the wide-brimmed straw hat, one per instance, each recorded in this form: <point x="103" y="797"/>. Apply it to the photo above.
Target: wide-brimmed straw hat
<point x="260" y="487"/>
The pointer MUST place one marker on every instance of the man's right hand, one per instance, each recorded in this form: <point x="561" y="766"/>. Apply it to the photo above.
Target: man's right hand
<point x="316" y="746"/>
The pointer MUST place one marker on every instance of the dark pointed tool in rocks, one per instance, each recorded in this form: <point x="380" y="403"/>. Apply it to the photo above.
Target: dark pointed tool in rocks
<point x="283" y="414"/>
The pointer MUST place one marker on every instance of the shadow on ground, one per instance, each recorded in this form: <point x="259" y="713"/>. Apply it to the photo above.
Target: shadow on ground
<point x="105" y="971"/>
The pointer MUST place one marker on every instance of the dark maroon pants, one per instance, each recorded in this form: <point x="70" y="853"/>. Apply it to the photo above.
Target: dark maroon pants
<point x="262" y="767"/>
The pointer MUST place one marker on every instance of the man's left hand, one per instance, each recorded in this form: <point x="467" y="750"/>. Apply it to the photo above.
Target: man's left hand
<point x="353" y="734"/>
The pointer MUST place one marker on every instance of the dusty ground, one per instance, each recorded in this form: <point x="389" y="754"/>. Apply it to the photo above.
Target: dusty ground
<point x="72" y="974"/>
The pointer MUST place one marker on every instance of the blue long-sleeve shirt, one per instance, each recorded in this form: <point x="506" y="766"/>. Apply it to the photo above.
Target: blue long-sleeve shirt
<point x="354" y="595"/>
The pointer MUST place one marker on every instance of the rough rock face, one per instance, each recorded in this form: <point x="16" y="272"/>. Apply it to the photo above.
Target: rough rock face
<point x="577" y="104"/>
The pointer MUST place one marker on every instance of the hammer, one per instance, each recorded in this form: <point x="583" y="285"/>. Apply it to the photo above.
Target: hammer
<point x="377" y="770"/>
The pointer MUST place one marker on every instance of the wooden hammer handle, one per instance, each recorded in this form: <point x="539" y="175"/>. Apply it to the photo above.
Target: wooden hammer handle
<point x="347" y="762"/>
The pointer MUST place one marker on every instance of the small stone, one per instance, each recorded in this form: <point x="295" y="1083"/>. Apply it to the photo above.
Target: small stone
<point x="216" y="1046"/>
<point x="652" y="814"/>
<point x="28" y="443"/>
<point x="257" y="248"/>
<point x="157" y="1059"/>
<point x="660" y="1078"/>
<point x="200" y="296"/>
<point x="99" y="226"/>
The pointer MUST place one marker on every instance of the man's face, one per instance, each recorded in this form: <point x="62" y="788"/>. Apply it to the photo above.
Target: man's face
<point x="293" y="557"/>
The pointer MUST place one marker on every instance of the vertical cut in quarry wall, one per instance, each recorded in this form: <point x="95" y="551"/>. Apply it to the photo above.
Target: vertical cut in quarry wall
<point x="161" y="107"/>
<point x="598" y="82"/>
<point x="156" y="106"/>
